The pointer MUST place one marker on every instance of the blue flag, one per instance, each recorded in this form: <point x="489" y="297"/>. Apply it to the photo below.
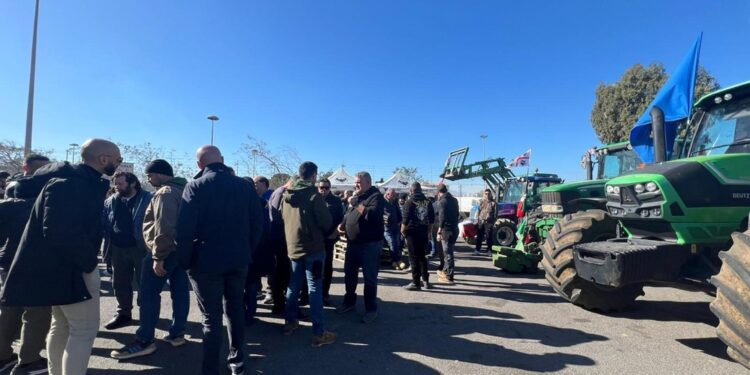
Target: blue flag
<point x="676" y="99"/>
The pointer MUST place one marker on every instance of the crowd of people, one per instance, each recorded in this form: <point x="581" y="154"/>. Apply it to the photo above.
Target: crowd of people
<point x="218" y="233"/>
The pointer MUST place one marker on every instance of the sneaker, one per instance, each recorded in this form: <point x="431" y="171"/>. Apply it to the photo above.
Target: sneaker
<point x="175" y="341"/>
<point x="324" y="338"/>
<point x="426" y="284"/>
<point x="396" y="266"/>
<point x="370" y="317"/>
<point x="119" y="321"/>
<point x="476" y="252"/>
<point x="237" y="368"/>
<point x="443" y="278"/>
<point x="402" y="266"/>
<point x="290" y="327"/>
<point x="9" y="363"/>
<point x="136" y="349"/>
<point x="33" y="368"/>
<point x="412" y="287"/>
<point x="343" y="308"/>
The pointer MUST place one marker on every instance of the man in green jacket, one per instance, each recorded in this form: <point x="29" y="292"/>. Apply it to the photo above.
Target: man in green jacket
<point x="306" y="221"/>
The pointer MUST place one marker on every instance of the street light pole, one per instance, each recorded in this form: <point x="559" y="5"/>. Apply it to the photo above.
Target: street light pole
<point x="30" y="104"/>
<point x="484" y="152"/>
<point x="213" y="119"/>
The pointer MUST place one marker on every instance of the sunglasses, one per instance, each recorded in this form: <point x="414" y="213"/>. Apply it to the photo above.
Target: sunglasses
<point x="324" y="187"/>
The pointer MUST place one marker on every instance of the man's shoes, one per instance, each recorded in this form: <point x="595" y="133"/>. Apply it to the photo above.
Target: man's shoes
<point x="37" y="367"/>
<point x="290" y="327"/>
<point x="324" y="338"/>
<point x="443" y="278"/>
<point x="343" y="308"/>
<point x="476" y="252"/>
<point x="119" y="321"/>
<point x="7" y="364"/>
<point x="396" y="266"/>
<point x="136" y="349"/>
<point x="237" y="368"/>
<point x="175" y="341"/>
<point x="426" y="284"/>
<point x="412" y="287"/>
<point x="370" y="317"/>
<point x="402" y="266"/>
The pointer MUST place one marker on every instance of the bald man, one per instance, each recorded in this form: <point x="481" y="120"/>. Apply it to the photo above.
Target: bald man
<point x="218" y="226"/>
<point x="55" y="264"/>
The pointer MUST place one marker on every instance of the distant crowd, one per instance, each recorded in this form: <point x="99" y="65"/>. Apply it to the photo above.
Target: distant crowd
<point x="218" y="233"/>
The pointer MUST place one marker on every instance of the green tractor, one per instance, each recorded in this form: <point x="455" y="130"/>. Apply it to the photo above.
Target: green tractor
<point x="668" y="223"/>
<point x="559" y="199"/>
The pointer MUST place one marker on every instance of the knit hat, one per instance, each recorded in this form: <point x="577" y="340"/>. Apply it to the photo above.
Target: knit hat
<point x="160" y="166"/>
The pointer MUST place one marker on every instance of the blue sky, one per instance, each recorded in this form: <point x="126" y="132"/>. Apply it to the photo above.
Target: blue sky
<point x="369" y="84"/>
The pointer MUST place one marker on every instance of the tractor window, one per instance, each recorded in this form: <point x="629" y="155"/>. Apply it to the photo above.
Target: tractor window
<point x="514" y="191"/>
<point x="725" y="129"/>
<point x="616" y="163"/>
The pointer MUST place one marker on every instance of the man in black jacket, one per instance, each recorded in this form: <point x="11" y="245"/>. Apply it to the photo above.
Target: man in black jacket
<point x="14" y="213"/>
<point x="447" y="233"/>
<point x="218" y="226"/>
<point x="363" y="227"/>
<point x="419" y="216"/>
<point x="336" y="209"/>
<point x="55" y="264"/>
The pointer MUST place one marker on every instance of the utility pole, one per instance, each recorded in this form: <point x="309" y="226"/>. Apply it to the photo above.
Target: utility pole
<point x="30" y="104"/>
<point x="484" y="152"/>
<point x="213" y="119"/>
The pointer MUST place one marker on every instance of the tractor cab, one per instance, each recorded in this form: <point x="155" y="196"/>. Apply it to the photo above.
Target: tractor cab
<point x="522" y="194"/>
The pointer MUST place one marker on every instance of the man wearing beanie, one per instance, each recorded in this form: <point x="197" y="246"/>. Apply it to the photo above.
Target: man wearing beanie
<point x="160" y="264"/>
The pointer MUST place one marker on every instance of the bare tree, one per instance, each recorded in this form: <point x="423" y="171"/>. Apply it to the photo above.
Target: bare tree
<point x="11" y="156"/>
<point x="142" y="154"/>
<point x="257" y="155"/>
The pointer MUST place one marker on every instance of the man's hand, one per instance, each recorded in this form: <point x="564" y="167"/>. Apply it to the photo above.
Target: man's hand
<point x="159" y="268"/>
<point x="361" y="208"/>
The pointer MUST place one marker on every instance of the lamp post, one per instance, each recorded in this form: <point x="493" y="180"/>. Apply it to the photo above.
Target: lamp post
<point x="213" y="119"/>
<point x="484" y="152"/>
<point x="30" y="104"/>
<point x="255" y="158"/>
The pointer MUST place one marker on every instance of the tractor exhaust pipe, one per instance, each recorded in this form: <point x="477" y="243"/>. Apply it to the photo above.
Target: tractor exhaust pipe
<point x="587" y="163"/>
<point x="657" y="128"/>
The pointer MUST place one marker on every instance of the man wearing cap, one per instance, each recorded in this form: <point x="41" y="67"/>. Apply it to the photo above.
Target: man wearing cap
<point x="160" y="264"/>
<point x="447" y="233"/>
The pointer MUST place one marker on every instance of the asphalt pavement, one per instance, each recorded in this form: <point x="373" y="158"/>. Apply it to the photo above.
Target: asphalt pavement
<point x="489" y="322"/>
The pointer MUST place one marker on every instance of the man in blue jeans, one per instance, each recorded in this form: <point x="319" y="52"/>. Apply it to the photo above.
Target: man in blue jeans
<point x="392" y="231"/>
<point x="307" y="222"/>
<point x="218" y="227"/>
<point x="363" y="227"/>
<point x="160" y="265"/>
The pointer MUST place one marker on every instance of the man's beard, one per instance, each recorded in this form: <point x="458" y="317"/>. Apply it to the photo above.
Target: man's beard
<point x="110" y="169"/>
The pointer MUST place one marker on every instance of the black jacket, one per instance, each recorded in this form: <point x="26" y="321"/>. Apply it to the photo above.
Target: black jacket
<point x="61" y="239"/>
<point x="263" y="262"/>
<point x="219" y="223"/>
<point x="418" y="213"/>
<point x="14" y="213"/>
<point x="368" y="226"/>
<point x="447" y="219"/>
<point x="392" y="216"/>
<point x="336" y="208"/>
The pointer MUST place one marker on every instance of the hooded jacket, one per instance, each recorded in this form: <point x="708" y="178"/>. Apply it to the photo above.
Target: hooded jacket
<point x="306" y="219"/>
<point x="219" y="222"/>
<point x="418" y="214"/>
<point x="14" y="213"/>
<point x="160" y="220"/>
<point x="367" y="226"/>
<point x="61" y="239"/>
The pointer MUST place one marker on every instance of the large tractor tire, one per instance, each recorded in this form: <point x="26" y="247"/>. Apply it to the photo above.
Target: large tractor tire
<point x="505" y="232"/>
<point x="559" y="266"/>
<point x="732" y="303"/>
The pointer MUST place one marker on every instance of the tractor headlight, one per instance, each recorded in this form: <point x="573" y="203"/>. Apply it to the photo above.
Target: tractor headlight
<point x="616" y="190"/>
<point x="610" y="189"/>
<point x="651" y="187"/>
<point x="639" y="188"/>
